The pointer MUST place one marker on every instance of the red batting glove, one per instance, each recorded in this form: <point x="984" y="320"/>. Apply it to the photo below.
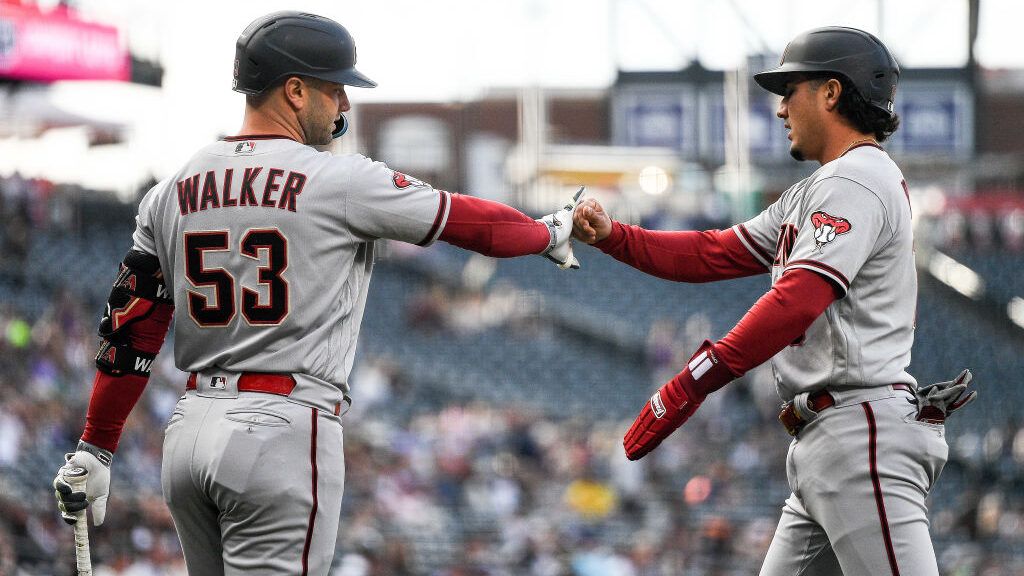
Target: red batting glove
<point x="676" y="401"/>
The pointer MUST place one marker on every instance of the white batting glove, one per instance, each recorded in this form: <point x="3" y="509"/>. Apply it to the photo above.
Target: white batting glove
<point x="96" y="462"/>
<point x="559" y="224"/>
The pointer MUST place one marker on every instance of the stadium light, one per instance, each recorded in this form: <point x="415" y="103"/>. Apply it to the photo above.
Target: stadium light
<point x="956" y="276"/>
<point x="654" y="180"/>
<point x="1015" y="309"/>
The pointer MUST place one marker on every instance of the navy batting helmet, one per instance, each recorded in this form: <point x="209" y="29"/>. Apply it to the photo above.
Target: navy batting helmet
<point x="295" y="43"/>
<point x="852" y="53"/>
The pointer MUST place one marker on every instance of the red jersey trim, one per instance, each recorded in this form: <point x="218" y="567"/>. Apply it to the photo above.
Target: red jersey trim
<point x="823" y="269"/>
<point x="762" y="255"/>
<point x="440" y="219"/>
<point x="861" y="145"/>
<point x="243" y="137"/>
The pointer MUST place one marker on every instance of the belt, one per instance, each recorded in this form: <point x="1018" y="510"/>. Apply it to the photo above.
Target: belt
<point x="816" y="401"/>
<point x="280" y="384"/>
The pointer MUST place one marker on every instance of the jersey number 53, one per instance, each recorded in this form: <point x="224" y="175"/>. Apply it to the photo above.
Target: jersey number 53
<point x="223" y="282"/>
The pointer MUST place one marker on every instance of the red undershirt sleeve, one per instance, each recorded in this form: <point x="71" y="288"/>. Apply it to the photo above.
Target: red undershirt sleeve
<point x="493" y="229"/>
<point x="776" y="320"/>
<point x="114" y="397"/>
<point x="681" y="256"/>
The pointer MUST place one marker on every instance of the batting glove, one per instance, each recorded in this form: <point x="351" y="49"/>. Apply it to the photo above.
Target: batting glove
<point x="674" y="403"/>
<point x="96" y="462"/>
<point x="936" y="402"/>
<point x="559" y="224"/>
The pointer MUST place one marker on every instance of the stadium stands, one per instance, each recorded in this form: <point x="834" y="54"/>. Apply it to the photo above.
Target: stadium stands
<point x="490" y="399"/>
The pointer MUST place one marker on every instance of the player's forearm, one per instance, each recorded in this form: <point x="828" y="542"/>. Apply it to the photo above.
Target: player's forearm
<point x="113" y="398"/>
<point x="776" y="320"/>
<point x="493" y="229"/>
<point x="681" y="256"/>
<point x="135" y="323"/>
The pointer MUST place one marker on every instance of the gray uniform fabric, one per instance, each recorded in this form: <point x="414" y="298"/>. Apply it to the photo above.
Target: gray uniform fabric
<point x="254" y="484"/>
<point x="865" y="337"/>
<point x="345" y="203"/>
<point x="859" y="471"/>
<point x="267" y="246"/>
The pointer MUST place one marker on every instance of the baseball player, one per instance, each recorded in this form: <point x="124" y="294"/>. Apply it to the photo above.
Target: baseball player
<point x="837" y="323"/>
<point x="264" y="247"/>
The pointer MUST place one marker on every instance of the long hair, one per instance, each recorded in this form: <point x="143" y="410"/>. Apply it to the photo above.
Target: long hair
<point x="859" y="112"/>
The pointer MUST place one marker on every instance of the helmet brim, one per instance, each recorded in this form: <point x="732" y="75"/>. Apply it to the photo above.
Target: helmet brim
<point x="775" y="80"/>
<point x="351" y="77"/>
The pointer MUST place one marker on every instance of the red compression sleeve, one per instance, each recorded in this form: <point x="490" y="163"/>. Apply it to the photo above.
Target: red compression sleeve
<point x="114" y="397"/>
<point x="681" y="256"/>
<point x="776" y="320"/>
<point x="493" y="229"/>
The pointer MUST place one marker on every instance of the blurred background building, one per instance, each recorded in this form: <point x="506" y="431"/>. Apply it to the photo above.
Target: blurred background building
<point x="491" y="463"/>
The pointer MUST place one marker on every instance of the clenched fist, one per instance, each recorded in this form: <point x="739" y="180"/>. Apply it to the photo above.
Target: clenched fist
<point x="590" y="223"/>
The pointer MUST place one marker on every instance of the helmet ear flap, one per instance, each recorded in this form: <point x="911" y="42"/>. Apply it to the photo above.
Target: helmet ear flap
<point x="340" y="127"/>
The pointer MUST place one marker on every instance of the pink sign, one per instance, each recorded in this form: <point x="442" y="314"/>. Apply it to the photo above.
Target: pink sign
<point x="45" y="47"/>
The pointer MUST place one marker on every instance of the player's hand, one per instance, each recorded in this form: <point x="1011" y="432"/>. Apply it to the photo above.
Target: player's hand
<point x="674" y="403"/>
<point x="936" y="402"/>
<point x="590" y="223"/>
<point x="96" y="462"/>
<point x="559" y="224"/>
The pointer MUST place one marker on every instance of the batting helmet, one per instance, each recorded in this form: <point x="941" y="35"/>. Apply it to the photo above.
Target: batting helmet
<point x="849" y="52"/>
<point x="295" y="43"/>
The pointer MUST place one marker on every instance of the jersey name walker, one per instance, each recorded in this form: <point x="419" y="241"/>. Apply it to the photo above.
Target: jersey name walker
<point x="850" y="221"/>
<point x="225" y="228"/>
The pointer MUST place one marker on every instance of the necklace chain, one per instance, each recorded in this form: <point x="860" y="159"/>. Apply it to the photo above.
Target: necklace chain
<point x="861" y="141"/>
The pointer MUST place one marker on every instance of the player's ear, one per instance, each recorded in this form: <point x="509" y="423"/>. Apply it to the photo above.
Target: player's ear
<point x="296" y="91"/>
<point x="832" y="90"/>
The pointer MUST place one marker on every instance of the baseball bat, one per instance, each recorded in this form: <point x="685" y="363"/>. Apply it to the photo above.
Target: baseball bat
<point x="575" y="199"/>
<point x="77" y="478"/>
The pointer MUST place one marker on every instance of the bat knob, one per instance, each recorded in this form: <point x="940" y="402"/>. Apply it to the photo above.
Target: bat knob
<point x="75" y="472"/>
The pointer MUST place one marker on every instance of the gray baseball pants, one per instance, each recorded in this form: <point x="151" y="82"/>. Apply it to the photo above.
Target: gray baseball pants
<point x="254" y="483"/>
<point x="859" y="475"/>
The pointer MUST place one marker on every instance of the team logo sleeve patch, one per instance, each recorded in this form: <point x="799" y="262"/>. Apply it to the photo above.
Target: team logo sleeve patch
<point x="402" y="181"/>
<point x="827" y="227"/>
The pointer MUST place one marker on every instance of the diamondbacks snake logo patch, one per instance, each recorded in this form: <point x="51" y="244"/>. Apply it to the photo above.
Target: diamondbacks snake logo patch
<point x="404" y="181"/>
<point x="827" y="227"/>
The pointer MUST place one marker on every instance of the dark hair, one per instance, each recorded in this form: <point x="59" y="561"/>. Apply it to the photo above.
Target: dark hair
<point x="255" y="100"/>
<point x="864" y="116"/>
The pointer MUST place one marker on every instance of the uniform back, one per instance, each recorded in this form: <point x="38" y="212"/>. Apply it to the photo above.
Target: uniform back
<point x="268" y="247"/>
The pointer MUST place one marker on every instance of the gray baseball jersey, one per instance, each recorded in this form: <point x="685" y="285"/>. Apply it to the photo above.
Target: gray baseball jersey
<point x="850" y="222"/>
<point x="267" y="245"/>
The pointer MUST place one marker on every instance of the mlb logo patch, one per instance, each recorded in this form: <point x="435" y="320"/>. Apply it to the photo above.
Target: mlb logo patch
<point x="246" y="147"/>
<point x="218" y="382"/>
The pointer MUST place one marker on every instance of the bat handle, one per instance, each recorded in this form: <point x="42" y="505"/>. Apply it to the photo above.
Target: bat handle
<point x="78" y="478"/>
<point x="575" y="198"/>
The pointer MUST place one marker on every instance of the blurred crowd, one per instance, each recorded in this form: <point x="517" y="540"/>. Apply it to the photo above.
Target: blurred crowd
<point x="994" y="222"/>
<point x="472" y="488"/>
